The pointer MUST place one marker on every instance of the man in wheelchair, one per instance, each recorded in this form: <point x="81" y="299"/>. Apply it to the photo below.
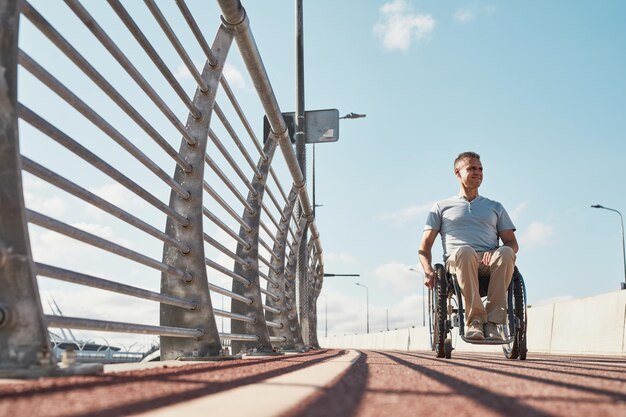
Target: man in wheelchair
<point x="471" y="227"/>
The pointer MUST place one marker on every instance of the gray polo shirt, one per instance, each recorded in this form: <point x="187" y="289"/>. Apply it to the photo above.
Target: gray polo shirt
<point x="461" y="222"/>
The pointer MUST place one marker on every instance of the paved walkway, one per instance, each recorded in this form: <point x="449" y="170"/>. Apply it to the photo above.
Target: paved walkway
<point x="338" y="383"/>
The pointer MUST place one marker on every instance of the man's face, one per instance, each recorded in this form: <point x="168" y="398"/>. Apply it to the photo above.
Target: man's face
<point x="470" y="172"/>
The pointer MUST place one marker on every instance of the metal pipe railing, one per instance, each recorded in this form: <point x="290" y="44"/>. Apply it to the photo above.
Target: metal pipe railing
<point x="56" y="38"/>
<point x="229" y="128"/>
<point x="263" y="295"/>
<point x="104" y="284"/>
<point x="218" y="144"/>
<point x="224" y="227"/>
<point x="68" y="186"/>
<point x="93" y="240"/>
<point x="112" y="326"/>
<point x="196" y="32"/>
<point x="225" y="206"/>
<point x="227" y="293"/>
<point x="55" y="85"/>
<point x="235" y="17"/>
<point x="125" y="63"/>
<point x="167" y="29"/>
<point x="227" y="271"/>
<point x="153" y="55"/>
<point x="226" y="251"/>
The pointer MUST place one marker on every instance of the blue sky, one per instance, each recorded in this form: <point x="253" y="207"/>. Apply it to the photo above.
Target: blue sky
<point x="537" y="88"/>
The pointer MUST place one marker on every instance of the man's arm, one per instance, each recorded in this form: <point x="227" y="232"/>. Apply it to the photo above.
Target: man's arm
<point x="426" y="256"/>
<point x="508" y="239"/>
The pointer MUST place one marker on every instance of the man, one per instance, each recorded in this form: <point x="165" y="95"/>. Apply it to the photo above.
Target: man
<point x="471" y="227"/>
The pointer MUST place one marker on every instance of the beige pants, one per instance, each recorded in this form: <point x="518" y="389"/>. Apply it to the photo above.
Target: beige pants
<point x="465" y="264"/>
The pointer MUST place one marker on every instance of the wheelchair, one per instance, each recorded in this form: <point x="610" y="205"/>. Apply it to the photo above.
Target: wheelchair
<point x="445" y="308"/>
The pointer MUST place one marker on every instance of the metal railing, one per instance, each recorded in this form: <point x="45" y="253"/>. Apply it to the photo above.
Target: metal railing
<point x="111" y="117"/>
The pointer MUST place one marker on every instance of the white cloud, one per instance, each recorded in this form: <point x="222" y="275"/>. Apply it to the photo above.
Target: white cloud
<point x="405" y="214"/>
<point x="343" y="258"/>
<point x="234" y="76"/>
<point x="231" y="73"/>
<point x="50" y="206"/>
<point x="34" y="199"/>
<point x="347" y="314"/>
<point x="537" y="234"/>
<point x="464" y="15"/>
<point x="398" y="276"/>
<point x="518" y="210"/>
<point x="398" y="27"/>
<point x="182" y="73"/>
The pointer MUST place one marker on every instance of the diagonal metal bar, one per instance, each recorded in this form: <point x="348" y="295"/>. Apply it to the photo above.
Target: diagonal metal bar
<point x="85" y="237"/>
<point x="68" y="186"/>
<point x="55" y="37"/>
<point x="119" y="56"/>
<point x="223" y="226"/>
<point x="55" y="134"/>
<point x="229" y="128"/>
<point x="154" y="56"/>
<point x="104" y="284"/>
<point x="197" y="32"/>
<point x="112" y="326"/>
<point x="63" y="92"/>
<point x="167" y="29"/>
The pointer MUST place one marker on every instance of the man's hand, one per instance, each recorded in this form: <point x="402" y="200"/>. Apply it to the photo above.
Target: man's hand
<point x="430" y="279"/>
<point x="487" y="257"/>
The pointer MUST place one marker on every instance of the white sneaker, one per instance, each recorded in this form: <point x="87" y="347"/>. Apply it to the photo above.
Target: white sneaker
<point x="475" y="331"/>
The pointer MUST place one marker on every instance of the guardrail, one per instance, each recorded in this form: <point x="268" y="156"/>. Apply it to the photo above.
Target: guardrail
<point x="107" y="110"/>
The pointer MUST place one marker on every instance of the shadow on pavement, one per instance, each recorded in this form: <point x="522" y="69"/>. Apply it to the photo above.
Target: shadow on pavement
<point x="501" y="404"/>
<point x="141" y="391"/>
<point x="619" y="396"/>
<point x="341" y="399"/>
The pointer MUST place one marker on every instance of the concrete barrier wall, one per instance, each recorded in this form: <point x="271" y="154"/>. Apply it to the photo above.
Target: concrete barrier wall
<point x="591" y="325"/>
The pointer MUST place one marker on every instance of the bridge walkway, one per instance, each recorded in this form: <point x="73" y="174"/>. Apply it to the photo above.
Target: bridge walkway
<point x="334" y="382"/>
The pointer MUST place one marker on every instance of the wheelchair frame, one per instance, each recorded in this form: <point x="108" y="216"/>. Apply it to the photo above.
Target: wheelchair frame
<point x="443" y="316"/>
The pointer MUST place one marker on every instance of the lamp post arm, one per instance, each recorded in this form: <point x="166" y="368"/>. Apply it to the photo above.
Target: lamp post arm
<point x="623" y="285"/>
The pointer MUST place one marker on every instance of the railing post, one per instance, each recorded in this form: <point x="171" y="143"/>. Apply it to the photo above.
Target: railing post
<point x="25" y="350"/>
<point x="193" y="262"/>
<point x="279" y="264"/>
<point x="24" y="339"/>
<point x="250" y="253"/>
<point x="315" y="278"/>
<point x="290" y="286"/>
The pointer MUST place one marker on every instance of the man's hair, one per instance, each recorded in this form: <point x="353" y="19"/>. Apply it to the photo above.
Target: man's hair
<point x="465" y="155"/>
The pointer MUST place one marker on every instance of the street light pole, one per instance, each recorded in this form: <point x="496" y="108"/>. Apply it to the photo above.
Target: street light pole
<point x="423" y="301"/>
<point x="367" y="304"/>
<point x="598" y="206"/>
<point x="299" y="134"/>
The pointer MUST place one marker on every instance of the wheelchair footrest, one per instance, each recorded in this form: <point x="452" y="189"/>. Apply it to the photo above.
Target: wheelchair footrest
<point x="488" y="341"/>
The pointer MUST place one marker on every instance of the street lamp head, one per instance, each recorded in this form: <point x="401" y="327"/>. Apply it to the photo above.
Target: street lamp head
<point x="353" y="116"/>
<point x="597" y="206"/>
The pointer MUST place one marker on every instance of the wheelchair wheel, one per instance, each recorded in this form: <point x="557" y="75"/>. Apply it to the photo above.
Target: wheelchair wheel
<point x="517" y="349"/>
<point x="447" y="348"/>
<point x="438" y="312"/>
